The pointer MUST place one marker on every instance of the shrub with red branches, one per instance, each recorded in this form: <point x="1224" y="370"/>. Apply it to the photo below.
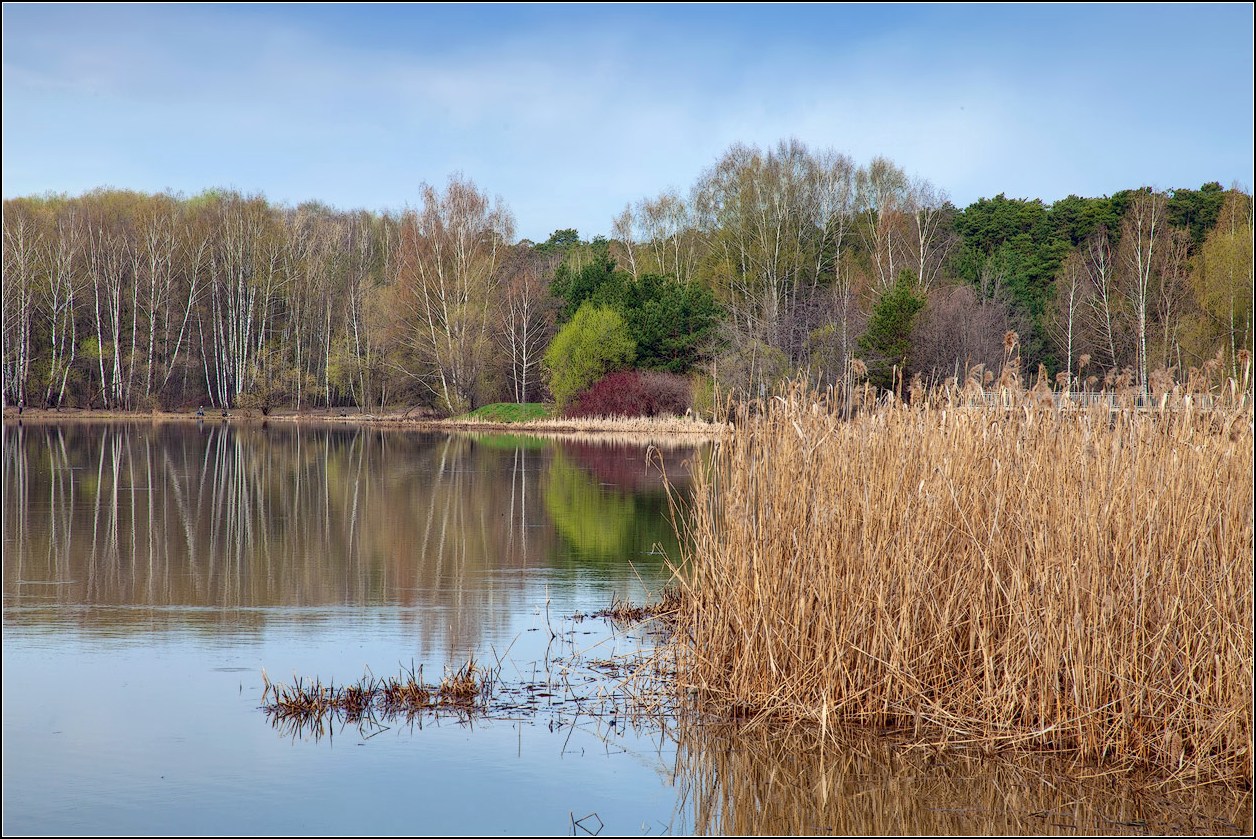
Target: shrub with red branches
<point x="634" y="393"/>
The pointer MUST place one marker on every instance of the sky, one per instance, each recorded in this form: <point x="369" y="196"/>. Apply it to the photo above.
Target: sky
<point x="568" y="113"/>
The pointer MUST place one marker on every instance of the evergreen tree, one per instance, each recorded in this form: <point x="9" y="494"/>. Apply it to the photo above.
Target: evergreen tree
<point x="887" y="341"/>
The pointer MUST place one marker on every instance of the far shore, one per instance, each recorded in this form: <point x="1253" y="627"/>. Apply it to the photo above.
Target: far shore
<point x="407" y="418"/>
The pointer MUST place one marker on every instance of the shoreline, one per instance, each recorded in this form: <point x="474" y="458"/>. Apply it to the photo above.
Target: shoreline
<point x="393" y="419"/>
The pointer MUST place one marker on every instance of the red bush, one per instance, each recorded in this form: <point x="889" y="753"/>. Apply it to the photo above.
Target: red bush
<point x="633" y="393"/>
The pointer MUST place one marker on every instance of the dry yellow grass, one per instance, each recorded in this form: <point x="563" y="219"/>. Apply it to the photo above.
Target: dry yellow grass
<point x="663" y="427"/>
<point x="1077" y="581"/>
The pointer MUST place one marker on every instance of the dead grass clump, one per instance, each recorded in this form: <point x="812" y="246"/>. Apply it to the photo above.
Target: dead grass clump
<point x="1020" y="577"/>
<point x="308" y="702"/>
<point x="464" y="686"/>
<point x="408" y="695"/>
<point x="666" y="607"/>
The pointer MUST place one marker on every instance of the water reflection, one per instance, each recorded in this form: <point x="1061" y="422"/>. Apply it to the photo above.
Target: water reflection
<point x="602" y="507"/>
<point x="219" y="521"/>
<point x="163" y="545"/>
<point x="736" y="781"/>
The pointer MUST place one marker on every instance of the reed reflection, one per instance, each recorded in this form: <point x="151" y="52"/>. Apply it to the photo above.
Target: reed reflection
<point x="741" y="780"/>
<point x="238" y="518"/>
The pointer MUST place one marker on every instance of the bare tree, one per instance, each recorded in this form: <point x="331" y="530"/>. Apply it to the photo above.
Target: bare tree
<point x="317" y="250"/>
<point x="1172" y="293"/>
<point x="156" y="255"/>
<point x="774" y="225"/>
<point x="1071" y="289"/>
<point x="244" y="278"/>
<point x="449" y="254"/>
<point x="883" y="208"/>
<point x="929" y="238"/>
<point x="194" y="247"/>
<point x="363" y="246"/>
<point x="527" y="319"/>
<point x="959" y="330"/>
<point x="1104" y="303"/>
<point x="834" y="208"/>
<point x="60" y="290"/>
<point x="17" y="298"/>
<point x="1143" y="232"/>
<point x="109" y="256"/>
<point x="624" y="230"/>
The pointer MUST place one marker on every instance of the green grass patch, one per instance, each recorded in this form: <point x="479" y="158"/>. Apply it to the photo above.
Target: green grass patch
<point x="509" y="412"/>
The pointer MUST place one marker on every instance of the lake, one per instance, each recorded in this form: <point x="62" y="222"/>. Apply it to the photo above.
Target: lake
<point x="153" y="572"/>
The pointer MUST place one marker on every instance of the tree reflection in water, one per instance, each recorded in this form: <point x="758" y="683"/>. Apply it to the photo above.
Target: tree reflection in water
<point x="238" y="518"/>
<point x="129" y="528"/>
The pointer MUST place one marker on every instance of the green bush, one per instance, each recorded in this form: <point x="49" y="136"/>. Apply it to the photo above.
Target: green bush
<point x="593" y="343"/>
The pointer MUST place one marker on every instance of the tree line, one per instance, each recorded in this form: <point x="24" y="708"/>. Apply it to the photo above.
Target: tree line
<point x="776" y="262"/>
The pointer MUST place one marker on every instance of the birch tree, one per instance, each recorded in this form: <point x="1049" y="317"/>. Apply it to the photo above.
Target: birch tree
<point x="1171" y="297"/>
<point x="448" y="258"/>
<point x="193" y="257"/>
<point x="1143" y="232"/>
<point x="17" y="299"/>
<point x="1071" y="288"/>
<point x="314" y="255"/>
<point x="244" y="277"/>
<point x="1104" y="304"/>
<point x="834" y="219"/>
<point x="624" y="229"/>
<point x="883" y="201"/>
<point x="929" y="238"/>
<point x="756" y="212"/>
<point x="527" y="321"/>
<point x="60" y="290"/>
<point x="109" y="257"/>
<point x="158" y="248"/>
<point x="363" y="248"/>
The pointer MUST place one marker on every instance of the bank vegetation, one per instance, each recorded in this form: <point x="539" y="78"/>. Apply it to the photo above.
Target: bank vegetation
<point x="1036" y="574"/>
<point x="776" y="262"/>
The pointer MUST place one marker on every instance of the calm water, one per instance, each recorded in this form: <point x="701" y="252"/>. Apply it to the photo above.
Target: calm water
<point x="151" y="573"/>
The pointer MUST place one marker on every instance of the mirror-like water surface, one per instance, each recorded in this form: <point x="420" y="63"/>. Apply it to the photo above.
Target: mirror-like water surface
<point x="152" y="572"/>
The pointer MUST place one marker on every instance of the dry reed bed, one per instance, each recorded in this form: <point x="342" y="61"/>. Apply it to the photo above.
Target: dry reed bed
<point x="1075" y="581"/>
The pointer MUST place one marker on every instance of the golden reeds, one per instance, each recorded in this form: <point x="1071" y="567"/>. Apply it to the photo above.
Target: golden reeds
<point x="1075" y="580"/>
<point x="664" y="427"/>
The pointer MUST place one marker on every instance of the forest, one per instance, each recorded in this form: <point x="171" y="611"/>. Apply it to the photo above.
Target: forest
<point x="777" y="263"/>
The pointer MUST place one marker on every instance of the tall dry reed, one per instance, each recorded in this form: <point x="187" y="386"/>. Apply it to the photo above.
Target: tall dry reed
<point x="1077" y="580"/>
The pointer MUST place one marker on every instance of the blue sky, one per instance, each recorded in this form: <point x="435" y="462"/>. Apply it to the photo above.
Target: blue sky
<point x="570" y="112"/>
